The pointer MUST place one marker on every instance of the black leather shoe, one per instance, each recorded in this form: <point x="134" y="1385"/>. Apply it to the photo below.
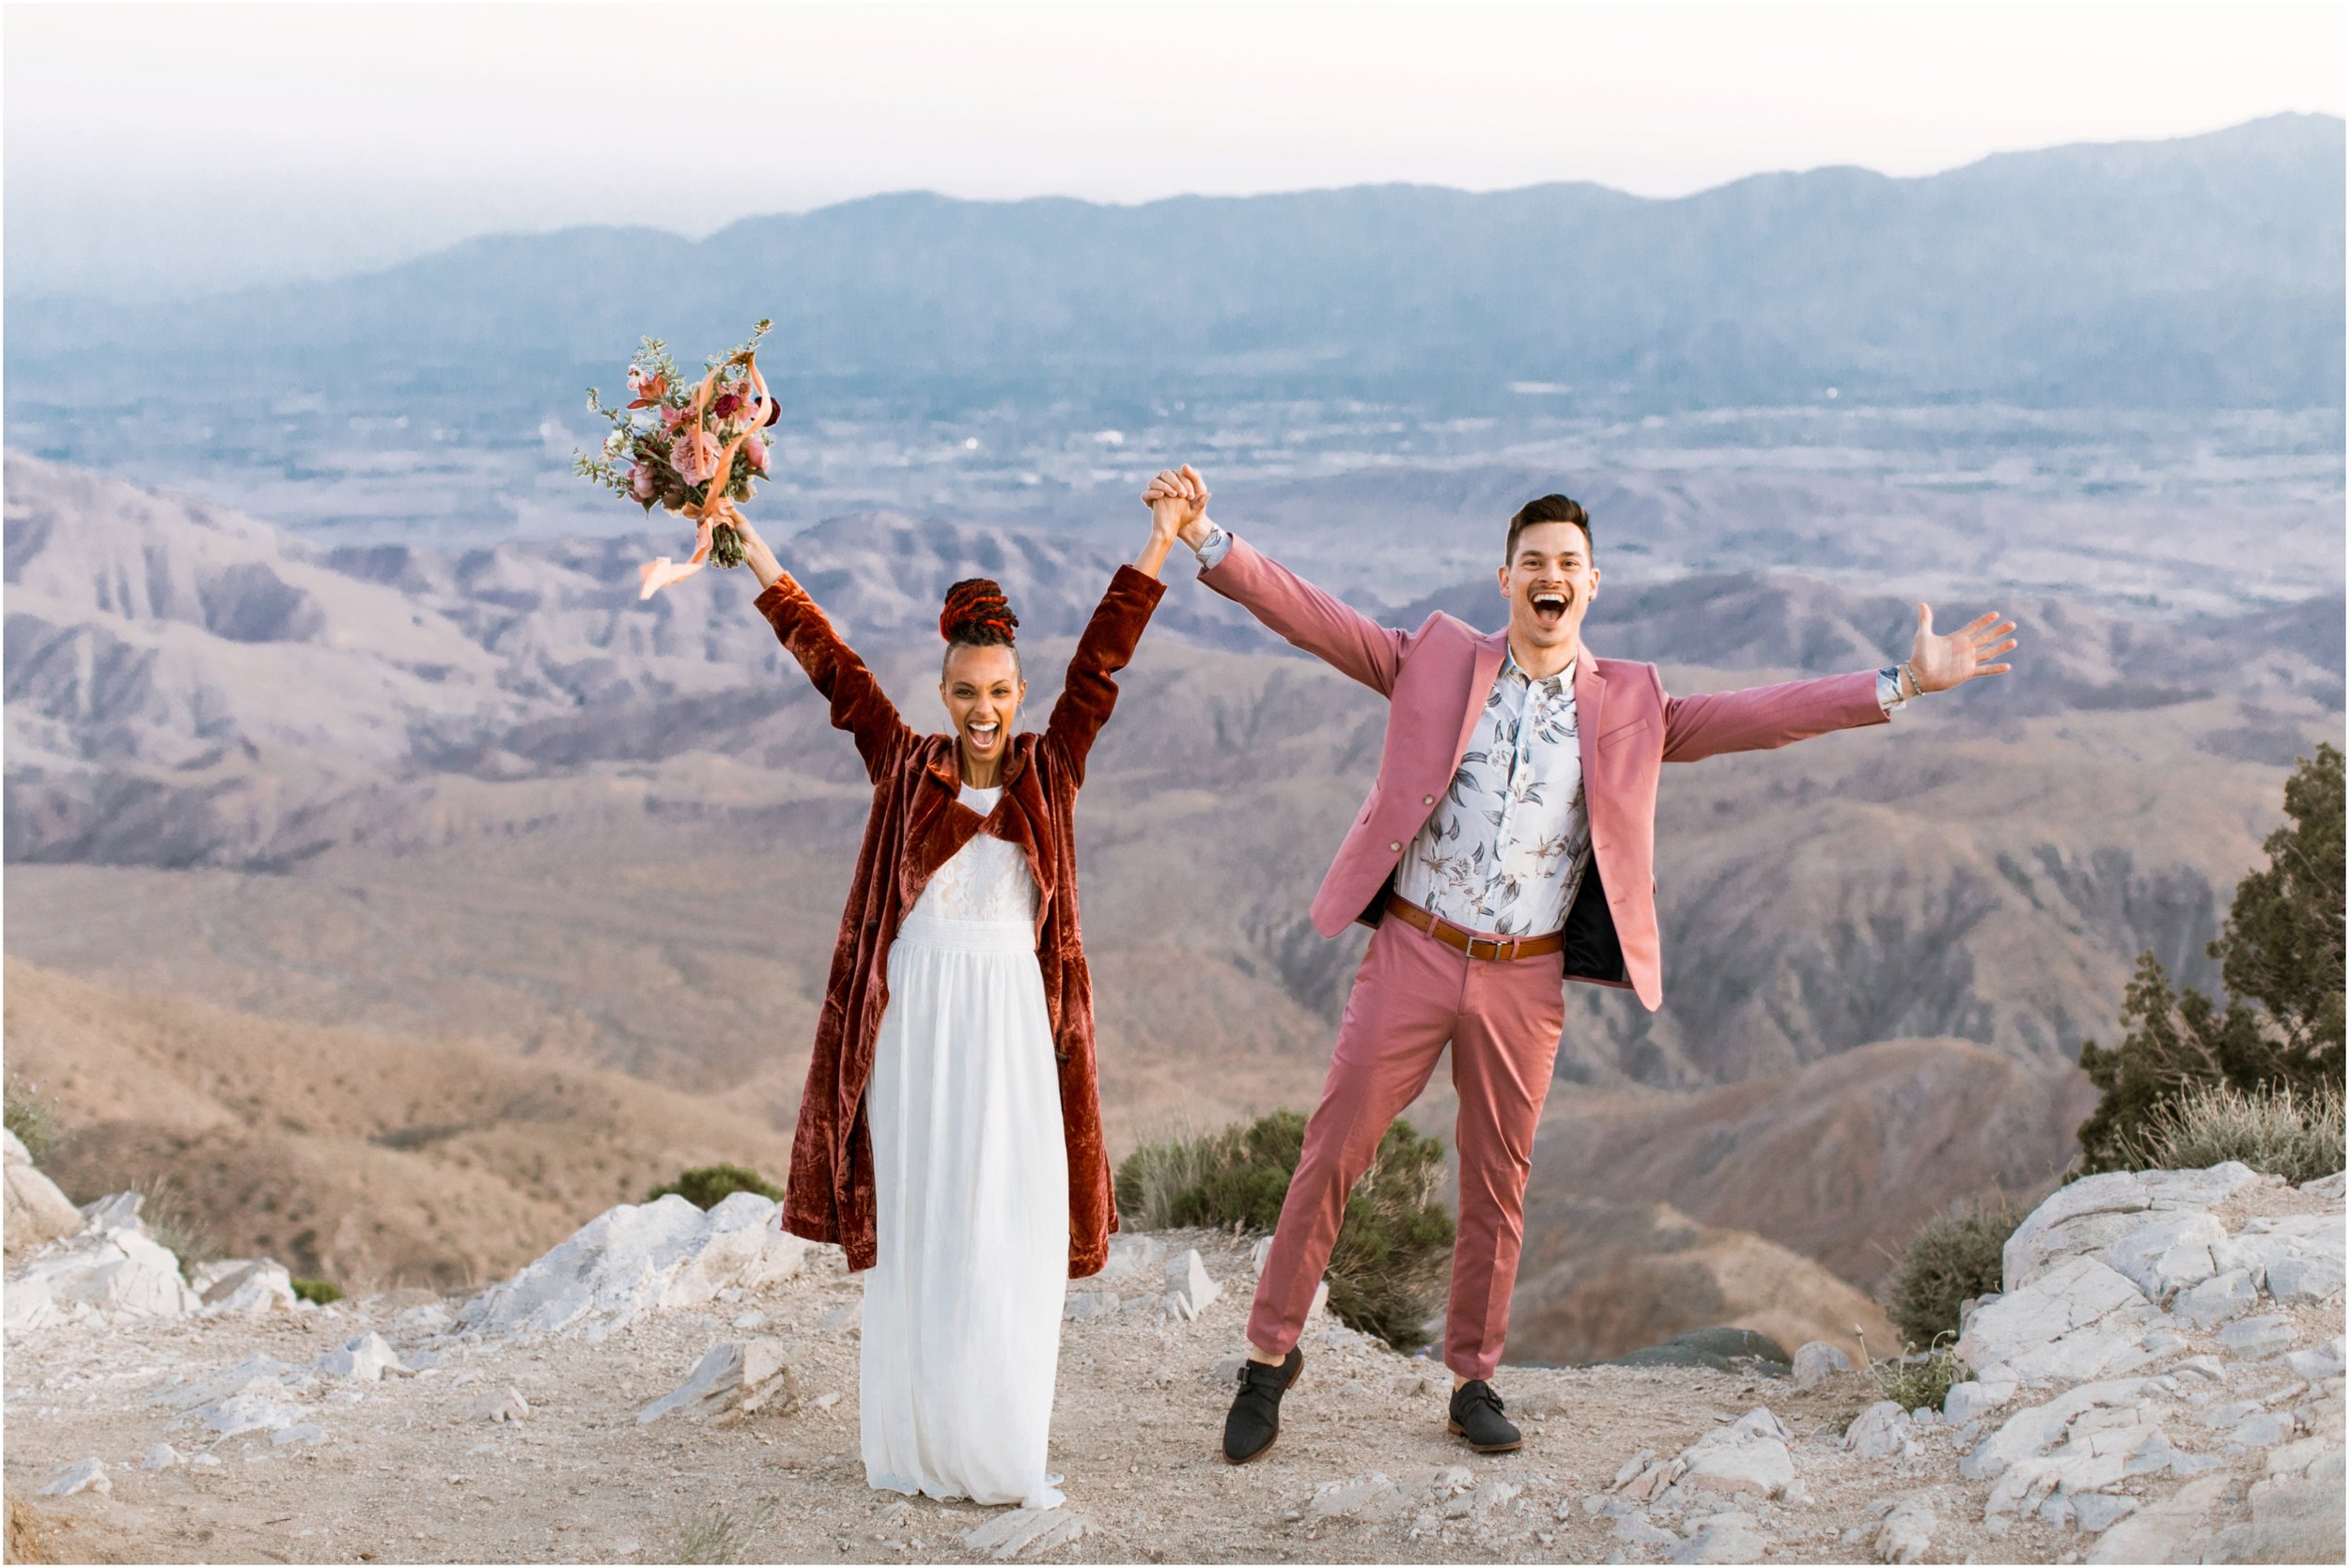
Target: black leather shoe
<point x="1476" y="1416"/>
<point x="1255" y="1417"/>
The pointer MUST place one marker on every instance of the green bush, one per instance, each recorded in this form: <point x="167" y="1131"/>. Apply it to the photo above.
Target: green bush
<point x="319" y="1291"/>
<point x="2271" y="1129"/>
<point x="1386" y="1269"/>
<point x="1952" y="1257"/>
<point x="1921" y="1378"/>
<point x="2282" y="962"/>
<point x="32" y="1118"/>
<point x="708" y="1185"/>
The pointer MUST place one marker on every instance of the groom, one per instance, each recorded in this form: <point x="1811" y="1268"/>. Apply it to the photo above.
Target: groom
<point x="1506" y="844"/>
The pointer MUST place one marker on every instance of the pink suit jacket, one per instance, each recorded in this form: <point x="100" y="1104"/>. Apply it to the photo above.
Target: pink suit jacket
<point x="1435" y="681"/>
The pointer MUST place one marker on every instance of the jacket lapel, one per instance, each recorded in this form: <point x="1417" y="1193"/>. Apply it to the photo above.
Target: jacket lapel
<point x="1490" y="652"/>
<point x="1590" y="700"/>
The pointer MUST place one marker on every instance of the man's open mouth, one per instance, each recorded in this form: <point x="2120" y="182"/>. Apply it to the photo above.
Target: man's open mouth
<point x="1550" y="607"/>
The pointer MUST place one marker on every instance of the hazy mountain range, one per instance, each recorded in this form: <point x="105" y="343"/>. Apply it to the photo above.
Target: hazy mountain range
<point x="2197" y="273"/>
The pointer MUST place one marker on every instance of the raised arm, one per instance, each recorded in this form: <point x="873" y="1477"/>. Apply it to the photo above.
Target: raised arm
<point x="1090" y="690"/>
<point x="858" y="703"/>
<point x="1308" y="618"/>
<point x="1767" y="716"/>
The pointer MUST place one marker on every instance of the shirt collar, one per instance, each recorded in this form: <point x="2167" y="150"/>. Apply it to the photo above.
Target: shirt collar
<point x="1552" y="686"/>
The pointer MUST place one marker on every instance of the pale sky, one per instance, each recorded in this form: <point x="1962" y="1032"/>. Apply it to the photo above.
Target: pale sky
<point x="170" y="149"/>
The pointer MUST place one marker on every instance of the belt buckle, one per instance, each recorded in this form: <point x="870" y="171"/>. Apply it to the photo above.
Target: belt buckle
<point x="1502" y="948"/>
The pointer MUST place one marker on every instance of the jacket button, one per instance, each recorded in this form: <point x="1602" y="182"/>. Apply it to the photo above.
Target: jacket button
<point x="1428" y="800"/>
<point x="1396" y="847"/>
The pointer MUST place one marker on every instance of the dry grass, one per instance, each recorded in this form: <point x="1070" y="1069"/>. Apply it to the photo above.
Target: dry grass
<point x="2298" y="1137"/>
<point x="714" y="1533"/>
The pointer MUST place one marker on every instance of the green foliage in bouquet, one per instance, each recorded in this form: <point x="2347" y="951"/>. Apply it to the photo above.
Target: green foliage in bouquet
<point x="653" y="461"/>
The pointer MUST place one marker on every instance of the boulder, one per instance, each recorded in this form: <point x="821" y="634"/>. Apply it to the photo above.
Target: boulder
<point x="2076" y="1319"/>
<point x="1879" y="1430"/>
<point x="363" y="1359"/>
<point x="88" y="1475"/>
<point x="2294" y="1522"/>
<point x="247" y="1288"/>
<point x="637" y="1258"/>
<point x="1132" y="1256"/>
<point x="2164" y="1255"/>
<point x="1818" y="1361"/>
<point x="35" y="1212"/>
<point x="732" y="1381"/>
<point x="2224" y="1296"/>
<point x="2256" y="1336"/>
<point x="1747" y="1459"/>
<point x="1906" y="1533"/>
<point x="1187" y="1288"/>
<point x="100" y="1275"/>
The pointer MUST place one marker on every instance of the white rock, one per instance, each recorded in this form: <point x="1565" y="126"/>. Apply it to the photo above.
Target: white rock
<point x="2265" y="1429"/>
<point x="1731" y="1537"/>
<point x="2256" y="1336"/>
<point x="505" y="1404"/>
<point x="2097" y="1510"/>
<point x="35" y="1213"/>
<point x="88" y="1475"/>
<point x="2165" y="1254"/>
<point x="117" y="1211"/>
<point x="1027" y="1531"/>
<point x="1132" y="1256"/>
<point x="1906" y="1533"/>
<point x="2201" y="1190"/>
<point x="2161" y="1531"/>
<point x="102" y="1276"/>
<point x="12" y="1150"/>
<point x="302" y="1432"/>
<point x="2325" y="1361"/>
<point x="1818" y="1361"/>
<point x="2076" y="1319"/>
<point x="1876" y="1430"/>
<point x="845" y="1318"/>
<point x="423" y="1321"/>
<point x="639" y="1258"/>
<point x="1640" y="1530"/>
<point x="732" y="1380"/>
<point x="1363" y="1496"/>
<point x="243" y="1287"/>
<point x="2031" y="1432"/>
<point x="2328" y="1186"/>
<point x="364" y="1359"/>
<point x="2311" y="1277"/>
<point x="1080" y="1306"/>
<point x="2229" y="1294"/>
<point x="1975" y="1398"/>
<point x="162" y="1456"/>
<point x="2041" y="1239"/>
<point x="1187" y="1288"/>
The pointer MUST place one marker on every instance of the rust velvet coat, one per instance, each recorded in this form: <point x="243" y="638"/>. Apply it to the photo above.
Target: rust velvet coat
<point x="916" y="825"/>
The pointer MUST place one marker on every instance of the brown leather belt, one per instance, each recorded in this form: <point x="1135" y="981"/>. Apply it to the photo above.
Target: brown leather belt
<point x="1491" y="949"/>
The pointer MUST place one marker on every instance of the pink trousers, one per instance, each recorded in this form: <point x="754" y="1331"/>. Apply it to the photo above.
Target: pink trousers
<point x="1412" y="995"/>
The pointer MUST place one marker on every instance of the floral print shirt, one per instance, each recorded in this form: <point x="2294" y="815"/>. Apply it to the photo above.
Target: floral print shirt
<point x="1506" y="847"/>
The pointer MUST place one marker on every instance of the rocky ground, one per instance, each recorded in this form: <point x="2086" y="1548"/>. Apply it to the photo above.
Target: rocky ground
<point x="674" y="1386"/>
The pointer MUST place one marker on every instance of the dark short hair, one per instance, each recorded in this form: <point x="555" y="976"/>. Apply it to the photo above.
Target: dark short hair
<point x="1549" y="508"/>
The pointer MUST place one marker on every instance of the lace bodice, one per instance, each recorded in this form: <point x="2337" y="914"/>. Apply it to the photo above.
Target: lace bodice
<point x="988" y="878"/>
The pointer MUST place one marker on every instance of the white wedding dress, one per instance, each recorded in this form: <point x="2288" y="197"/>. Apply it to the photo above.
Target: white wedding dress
<point x="962" y="1309"/>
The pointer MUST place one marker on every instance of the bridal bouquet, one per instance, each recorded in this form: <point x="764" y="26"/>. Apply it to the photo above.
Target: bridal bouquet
<point x="695" y="451"/>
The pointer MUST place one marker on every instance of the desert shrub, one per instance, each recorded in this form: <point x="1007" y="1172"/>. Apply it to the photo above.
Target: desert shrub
<point x="1922" y="1376"/>
<point x="2270" y="1127"/>
<point x="1387" y="1268"/>
<point x="1952" y="1256"/>
<point x="319" y="1291"/>
<point x="708" y="1185"/>
<point x="713" y="1533"/>
<point x="2281" y="964"/>
<point x="32" y="1117"/>
<point x="172" y="1219"/>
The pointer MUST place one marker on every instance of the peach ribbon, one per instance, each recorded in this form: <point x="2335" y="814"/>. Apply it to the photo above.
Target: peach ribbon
<point x="716" y="509"/>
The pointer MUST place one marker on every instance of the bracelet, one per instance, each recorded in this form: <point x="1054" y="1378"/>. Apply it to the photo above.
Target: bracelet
<point x="1917" y="687"/>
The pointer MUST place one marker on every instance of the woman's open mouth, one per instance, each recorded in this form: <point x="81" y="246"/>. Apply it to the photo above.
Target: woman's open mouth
<point x="1550" y="607"/>
<point x="983" y="737"/>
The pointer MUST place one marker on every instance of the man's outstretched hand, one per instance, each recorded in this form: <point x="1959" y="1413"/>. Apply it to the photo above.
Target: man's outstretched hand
<point x="1941" y="661"/>
<point x="1184" y="489"/>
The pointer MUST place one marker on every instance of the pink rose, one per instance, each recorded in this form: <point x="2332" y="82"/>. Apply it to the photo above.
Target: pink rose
<point x="727" y="405"/>
<point x="640" y="483"/>
<point x="754" y="452"/>
<point x="694" y="454"/>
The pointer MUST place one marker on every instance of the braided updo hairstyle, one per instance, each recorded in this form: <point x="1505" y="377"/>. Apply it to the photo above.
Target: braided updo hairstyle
<point x="977" y="615"/>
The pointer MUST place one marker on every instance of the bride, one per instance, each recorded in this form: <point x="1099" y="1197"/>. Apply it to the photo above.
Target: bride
<point x="950" y="1133"/>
